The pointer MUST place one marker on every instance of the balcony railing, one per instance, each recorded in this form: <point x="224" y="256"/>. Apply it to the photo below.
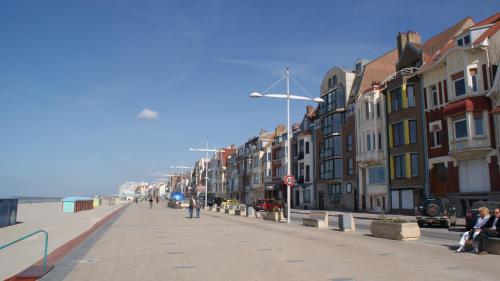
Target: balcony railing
<point x="403" y="72"/>
<point x="466" y="144"/>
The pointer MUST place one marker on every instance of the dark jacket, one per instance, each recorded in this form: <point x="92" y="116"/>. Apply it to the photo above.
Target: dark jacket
<point x="489" y="223"/>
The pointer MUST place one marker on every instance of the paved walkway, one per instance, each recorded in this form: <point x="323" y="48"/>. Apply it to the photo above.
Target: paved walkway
<point x="162" y="244"/>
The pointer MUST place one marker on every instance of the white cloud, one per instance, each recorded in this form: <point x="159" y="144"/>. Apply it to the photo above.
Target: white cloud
<point x="149" y="114"/>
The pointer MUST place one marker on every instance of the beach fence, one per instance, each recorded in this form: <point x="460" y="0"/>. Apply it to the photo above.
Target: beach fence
<point x="73" y="204"/>
<point x="8" y="211"/>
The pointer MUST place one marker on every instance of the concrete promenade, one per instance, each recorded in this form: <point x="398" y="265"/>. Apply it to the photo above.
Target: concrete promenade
<point x="162" y="244"/>
<point x="62" y="227"/>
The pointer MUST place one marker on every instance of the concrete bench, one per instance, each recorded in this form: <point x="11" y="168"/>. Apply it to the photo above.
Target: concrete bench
<point x="316" y="219"/>
<point x="493" y="246"/>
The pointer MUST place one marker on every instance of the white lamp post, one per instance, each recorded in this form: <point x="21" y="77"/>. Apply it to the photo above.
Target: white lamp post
<point x="206" y="150"/>
<point x="288" y="97"/>
<point x="182" y="174"/>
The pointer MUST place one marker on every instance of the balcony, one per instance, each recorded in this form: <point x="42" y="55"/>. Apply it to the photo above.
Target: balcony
<point x="370" y="157"/>
<point x="470" y="147"/>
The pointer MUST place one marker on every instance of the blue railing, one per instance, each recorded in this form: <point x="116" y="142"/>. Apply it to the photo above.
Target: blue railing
<point x="27" y="236"/>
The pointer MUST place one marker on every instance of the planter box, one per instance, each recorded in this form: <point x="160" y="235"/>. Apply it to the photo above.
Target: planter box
<point x="274" y="216"/>
<point x="229" y="211"/>
<point x="218" y="209"/>
<point x="395" y="231"/>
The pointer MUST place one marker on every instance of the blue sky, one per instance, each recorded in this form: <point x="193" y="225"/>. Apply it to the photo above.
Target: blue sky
<point x="74" y="75"/>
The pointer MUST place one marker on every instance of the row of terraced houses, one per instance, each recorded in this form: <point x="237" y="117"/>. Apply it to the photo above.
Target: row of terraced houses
<point x="420" y="120"/>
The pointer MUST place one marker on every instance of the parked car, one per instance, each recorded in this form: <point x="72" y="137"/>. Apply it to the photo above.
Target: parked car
<point x="267" y="205"/>
<point x="232" y="202"/>
<point x="436" y="211"/>
<point x="473" y="213"/>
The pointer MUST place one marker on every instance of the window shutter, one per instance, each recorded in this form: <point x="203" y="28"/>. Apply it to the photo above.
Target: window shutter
<point x="392" y="167"/>
<point x="408" y="165"/>
<point x="391" y="140"/>
<point x="440" y="93"/>
<point x="485" y="77"/>
<point x="403" y="96"/>
<point x="406" y="132"/>
<point x="425" y="98"/>
<point x="445" y="91"/>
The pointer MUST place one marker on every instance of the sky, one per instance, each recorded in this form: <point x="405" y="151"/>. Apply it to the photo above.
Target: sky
<point x="97" y="93"/>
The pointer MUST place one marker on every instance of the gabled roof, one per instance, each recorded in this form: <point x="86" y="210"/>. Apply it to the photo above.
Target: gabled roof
<point x="436" y="42"/>
<point x="378" y="69"/>
<point x="495" y="20"/>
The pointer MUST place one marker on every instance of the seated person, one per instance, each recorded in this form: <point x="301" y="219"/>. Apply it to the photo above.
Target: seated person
<point x="491" y="229"/>
<point x="484" y="216"/>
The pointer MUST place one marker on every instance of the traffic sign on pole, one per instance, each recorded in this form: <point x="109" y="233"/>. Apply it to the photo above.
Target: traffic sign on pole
<point x="289" y="180"/>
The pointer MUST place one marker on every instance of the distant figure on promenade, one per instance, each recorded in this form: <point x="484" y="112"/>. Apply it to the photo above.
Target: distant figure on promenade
<point x="157" y="199"/>
<point x="192" y="204"/>
<point x="151" y="202"/>
<point x="198" y="207"/>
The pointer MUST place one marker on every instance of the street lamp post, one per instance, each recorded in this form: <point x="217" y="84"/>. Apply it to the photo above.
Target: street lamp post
<point x="206" y="150"/>
<point x="288" y="97"/>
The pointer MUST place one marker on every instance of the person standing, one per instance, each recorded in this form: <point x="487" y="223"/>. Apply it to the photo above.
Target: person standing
<point x="198" y="207"/>
<point x="192" y="204"/>
<point x="491" y="229"/>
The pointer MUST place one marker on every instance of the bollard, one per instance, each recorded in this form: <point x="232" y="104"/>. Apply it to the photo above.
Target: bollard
<point x="346" y="222"/>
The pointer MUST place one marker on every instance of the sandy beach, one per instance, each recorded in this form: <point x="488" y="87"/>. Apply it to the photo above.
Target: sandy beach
<point x="62" y="227"/>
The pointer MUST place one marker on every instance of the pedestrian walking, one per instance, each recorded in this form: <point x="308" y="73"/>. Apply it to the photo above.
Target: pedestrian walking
<point x="151" y="202"/>
<point x="192" y="204"/>
<point x="198" y="207"/>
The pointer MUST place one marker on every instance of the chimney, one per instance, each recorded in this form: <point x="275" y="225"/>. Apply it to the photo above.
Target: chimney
<point x="405" y="37"/>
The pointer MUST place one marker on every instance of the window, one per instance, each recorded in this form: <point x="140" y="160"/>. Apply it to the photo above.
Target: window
<point x="376" y="175"/>
<point x="478" y="125"/>
<point x="412" y="125"/>
<point x="308" y="173"/>
<point x="396" y="103"/>
<point x="460" y="128"/>
<point x="349" y="166"/>
<point x="398" y="134"/>
<point x="460" y="42"/>
<point x="349" y="142"/>
<point x="334" y="191"/>
<point x="435" y="96"/>
<point x="459" y="83"/>
<point x="301" y="170"/>
<point x="410" y="96"/>
<point x="436" y="138"/>
<point x="332" y="124"/>
<point x="367" y="110"/>
<point x="399" y="166"/>
<point x="307" y="147"/>
<point x="473" y="76"/>
<point x="379" y="141"/>
<point x="378" y="109"/>
<point x="337" y="172"/>
<point x="467" y="40"/>
<point x="301" y="146"/>
<point x="337" y="147"/>
<point x="414" y="165"/>
<point x="368" y="142"/>
<point x="307" y="196"/>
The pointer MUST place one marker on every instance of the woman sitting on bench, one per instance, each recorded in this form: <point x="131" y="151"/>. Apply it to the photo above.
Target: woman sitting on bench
<point x="484" y="216"/>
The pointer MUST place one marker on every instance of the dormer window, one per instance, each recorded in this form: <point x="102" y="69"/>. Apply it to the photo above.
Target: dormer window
<point x="464" y="41"/>
<point x="467" y="40"/>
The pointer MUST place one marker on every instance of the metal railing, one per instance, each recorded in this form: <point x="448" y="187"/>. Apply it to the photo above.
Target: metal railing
<point x="27" y="236"/>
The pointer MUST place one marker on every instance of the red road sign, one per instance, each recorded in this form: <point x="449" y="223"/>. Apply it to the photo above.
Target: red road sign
<point x="289" y="180"/>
